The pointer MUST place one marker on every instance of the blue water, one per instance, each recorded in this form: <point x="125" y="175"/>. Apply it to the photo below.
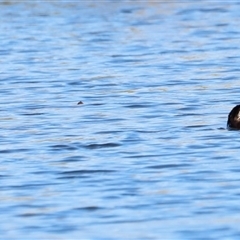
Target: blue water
<point x="147" y="156"/>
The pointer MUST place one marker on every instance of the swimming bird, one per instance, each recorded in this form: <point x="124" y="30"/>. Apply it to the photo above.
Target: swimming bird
<point x="234" y="118"/>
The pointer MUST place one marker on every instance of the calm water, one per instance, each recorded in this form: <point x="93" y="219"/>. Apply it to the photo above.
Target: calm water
<point x="147" y="155"/>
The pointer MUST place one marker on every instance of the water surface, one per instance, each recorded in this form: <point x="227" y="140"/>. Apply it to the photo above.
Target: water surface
<point x="147" y="155"/>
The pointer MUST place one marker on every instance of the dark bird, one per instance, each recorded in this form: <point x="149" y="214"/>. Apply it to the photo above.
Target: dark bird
<point x="80" y="103"/>
<point x="234" y="118"/>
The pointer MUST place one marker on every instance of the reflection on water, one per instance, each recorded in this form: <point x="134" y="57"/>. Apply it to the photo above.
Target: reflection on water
<point x="147" y="155"/>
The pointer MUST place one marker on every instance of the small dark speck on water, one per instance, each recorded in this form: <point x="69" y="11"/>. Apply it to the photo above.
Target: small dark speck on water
<point x="80" y="103"/>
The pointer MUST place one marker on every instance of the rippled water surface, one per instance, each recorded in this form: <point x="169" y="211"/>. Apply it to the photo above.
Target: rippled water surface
<point x="147" y="154"/>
